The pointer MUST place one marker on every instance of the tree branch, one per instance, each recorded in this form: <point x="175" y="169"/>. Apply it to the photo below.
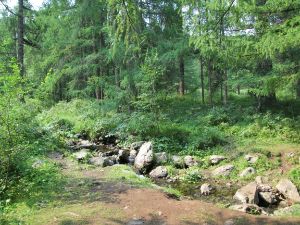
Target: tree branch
<point x="8" y="9"/>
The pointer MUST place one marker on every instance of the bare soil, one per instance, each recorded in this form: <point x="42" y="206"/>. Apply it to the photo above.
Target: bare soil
<point x="149" y="206"/>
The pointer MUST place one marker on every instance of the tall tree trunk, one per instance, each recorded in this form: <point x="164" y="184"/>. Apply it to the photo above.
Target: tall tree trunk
<point x="239" y="89"/>
<point x="298" y="89"/>
<point x="202" y="79"/>
<point x="225" y="99"/>
<point x="181" y="76"/>
<point x="221" y="92"/>
<point x="21" y="37"/>
<point x="117" y="76"/>
<point x="209" y="75"/>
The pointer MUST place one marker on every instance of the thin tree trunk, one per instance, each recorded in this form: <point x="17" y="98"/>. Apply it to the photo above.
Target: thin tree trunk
<point x="209" y="75"/>
<point x="181" y="76"/>
<point x="21" y="37"/>
<point x="239" y="89"/>
<point x="221" y="92"/>
<point x="202" y="79"/>
<point x="225" y="88"/>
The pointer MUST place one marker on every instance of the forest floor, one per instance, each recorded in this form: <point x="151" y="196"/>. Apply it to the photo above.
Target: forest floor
<point x="105" y="196"/>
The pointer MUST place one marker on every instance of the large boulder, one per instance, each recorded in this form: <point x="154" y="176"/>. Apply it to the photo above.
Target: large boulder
<point x="161" y="157"/>
<point x="206" y="189"/>
<point x="267" y="198"/>
<point x="159" y="172"/>
<point x="223" y="170"/>
<point x="247" y="172"/>
<point x="145" y="157"/>
<point x="247" y="194"/>
<point x="190" y="161"/>
<point x="288" y="189"/>
<point x="216" y="159"/>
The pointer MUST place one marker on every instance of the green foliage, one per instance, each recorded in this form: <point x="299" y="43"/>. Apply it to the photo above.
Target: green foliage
<point x="294" y="175"/>
<point x="21" y="141"/>
<point x="191" y="175"/>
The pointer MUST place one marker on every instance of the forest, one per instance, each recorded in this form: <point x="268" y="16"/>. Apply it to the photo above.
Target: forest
<point x="133" y="111"/>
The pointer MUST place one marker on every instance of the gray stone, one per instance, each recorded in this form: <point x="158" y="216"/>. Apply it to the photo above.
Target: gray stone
<point x="288" y="189"/>
<point x="145" y="157"/>
<point x="84" y="144"/>
<point x="97" y="161"/>
<point x="136" y="145"/>
<point x="247" y="194"/>
<point x="251" y="158"/>
<point x="159" y="172"/>
<point x="81" y="155"/>
<point x="247" y="172"/>
<point x="136" y="222"/>
<point x="229" y="222"/>
<point x="190" y="161"/>
<point x="248" y="208"/>
<point x="132" y="156"/>
<point x="123" y="156"/>
<point x="215" y="159"/>
<point x="178" y="161"/>
<point x="206" y="189"/>
<point x="268" y="197"/>
<point x="223" y="170"/>
<point x="161" y="157"/>
<point x="102" y="161"/>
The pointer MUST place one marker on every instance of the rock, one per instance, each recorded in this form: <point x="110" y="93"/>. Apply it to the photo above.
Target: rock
<point x="251" y="158"/>
<point x="206" y="189"/>
<point x="215" y="159"/>
<point x="223" y="170"/>
<point x="97" y="161"/>
<point x="247" y="194"/>
<point x="136" y="145"/>
<point x="84" y="144"/>
<point x="102" y="161"/>
<point x="178" y="161"/>
<point x="159" y="172"/>
<point x="229" y="222"/>
<point x="145" y="157"/>
<point x="247" y="172"/>
<point x="269" y="198"/>
<point x="110" y="152"/>
<point x="132" y="156"/>
<point x="109" y="139"/>
<point x="81" y="155"/>
<point x="136" y="222"/>
<point x="259" y="180"/>
<point x="123" y="156"/>
<point x="248" y="208"/>
<point x="161" y="157"/>
<point x="190" y="161"/>
<point x="288" y="189"/>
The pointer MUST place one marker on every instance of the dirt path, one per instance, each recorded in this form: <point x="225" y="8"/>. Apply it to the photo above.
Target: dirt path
<point x="90" y="197"/>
